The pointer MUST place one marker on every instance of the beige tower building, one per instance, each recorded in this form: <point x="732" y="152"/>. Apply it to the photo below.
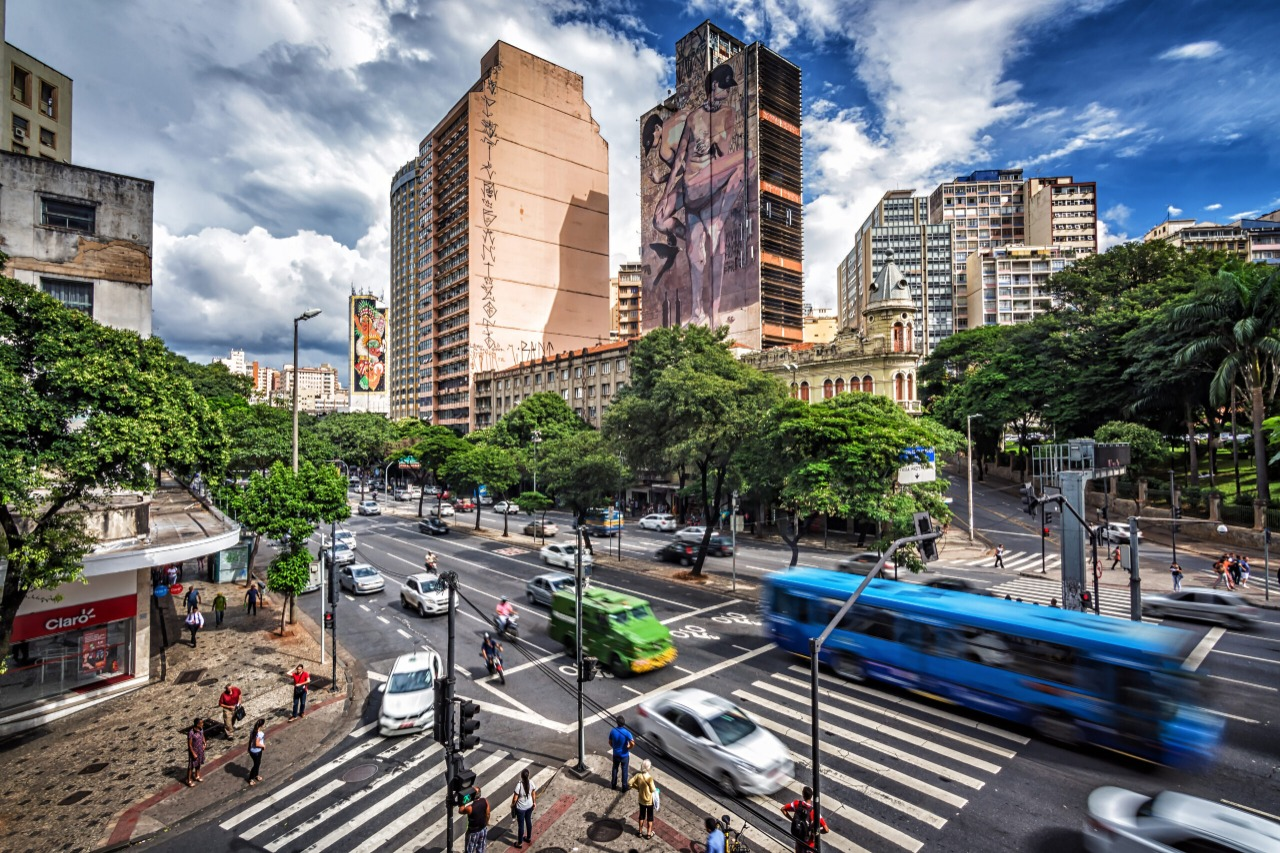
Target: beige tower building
<point x="624" y="301"/>
<point x="37" y="111"/>
<point x="1010" y="284"/>
<point x="509" y="235"/>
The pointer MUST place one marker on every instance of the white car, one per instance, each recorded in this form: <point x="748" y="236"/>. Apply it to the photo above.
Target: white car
<point x="660" y="521"/>
<point x="344" y="537"/>
<point x="443" y="510"/>
<point x="368" y="508"/>
<point x="408" y="700"/>
<point x="712" y="735"/>
<point x="506" y="508"/>
<point x="1116" y="532"/>
<point x="691" y="534"/>
<point x="1202" y="605"/>
<point x="425" y="593"/>
<point x="409" y="494"/>
<point x="1121" y="820"/>
<point x="360" y="578"/>
<point x="565" y="556"/>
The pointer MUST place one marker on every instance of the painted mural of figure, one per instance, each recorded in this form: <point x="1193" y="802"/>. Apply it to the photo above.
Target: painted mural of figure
<point x="663" y="135"/>
<point x="710" y="171"/>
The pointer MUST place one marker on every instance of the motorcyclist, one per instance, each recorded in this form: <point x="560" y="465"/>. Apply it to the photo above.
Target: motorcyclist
<point x="491" y="651"/>
<point x="429" y="563"/>
<point x="504" y="615"/>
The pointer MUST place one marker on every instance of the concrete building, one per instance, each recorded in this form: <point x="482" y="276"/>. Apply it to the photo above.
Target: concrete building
<point x="36" y="116"/>
<point x="1009" y="284"/>
<point x="508" y="236"/>
<point x="1256" y="240"/>
<point x="319" y="390"/>
<point x="235" y="363"/>
<point x="402" y="334"/>
<point x="367" y="355"/>
<point x="587" y="379"/>
<point x="721" y="193"/>
<point x="1063" y="212"/>
<point x="624" y="301"/>
<point x="266" y="381"/>
<point x="1167" y="229"/>
<point x="81" y="235"/>
<point x="820" y="325"/>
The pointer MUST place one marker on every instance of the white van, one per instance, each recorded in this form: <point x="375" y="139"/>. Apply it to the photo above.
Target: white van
<point x="408" y="700"/>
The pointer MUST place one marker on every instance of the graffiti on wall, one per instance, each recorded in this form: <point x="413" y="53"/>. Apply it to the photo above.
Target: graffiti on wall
<point x="369" y="326"/>
<point x="527" y="351"/>
<point x="488" y="210"/>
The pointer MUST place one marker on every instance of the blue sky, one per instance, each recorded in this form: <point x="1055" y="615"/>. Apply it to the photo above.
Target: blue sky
<point x="272" y="129"/>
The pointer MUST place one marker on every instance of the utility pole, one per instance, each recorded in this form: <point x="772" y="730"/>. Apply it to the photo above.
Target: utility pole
<point x="333" y="611"/>
<point x="1135" y="580"/>
<point x="1174" y="510"/>
<point x="450" y="580"/>
<point x="577" y="646"/>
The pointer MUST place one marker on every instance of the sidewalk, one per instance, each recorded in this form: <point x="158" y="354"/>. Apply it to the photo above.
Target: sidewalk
<point x="117" y="771"/>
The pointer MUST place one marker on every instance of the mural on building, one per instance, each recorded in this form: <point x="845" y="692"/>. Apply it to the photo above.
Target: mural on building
<point x="369" y="327"/>
<point x="698" y="217"/>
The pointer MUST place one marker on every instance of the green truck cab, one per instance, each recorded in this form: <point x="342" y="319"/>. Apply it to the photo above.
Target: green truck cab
<point x="618" y="629"/>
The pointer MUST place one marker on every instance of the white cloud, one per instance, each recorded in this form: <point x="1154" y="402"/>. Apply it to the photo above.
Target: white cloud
<point x="1174" y="211"/>
<point x="1193" y="50"/>
<point x="1213" y="207"/>
<point x="1119" y="212"/>
<point x="1107" y="239"/>
<point x="1093" y="127"/>
<point x="1244" y="214"/>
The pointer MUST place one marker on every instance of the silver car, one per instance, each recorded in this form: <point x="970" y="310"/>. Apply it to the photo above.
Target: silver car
<point x="360" y="578"/>
<point x="711" y="734"/>
<point x="539" y="590"/>
<point x="1204" y="605"/>
<point x="1120" y="821"/>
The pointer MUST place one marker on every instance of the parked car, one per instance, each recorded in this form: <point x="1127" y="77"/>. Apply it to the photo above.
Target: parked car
<point x="956" y="584"/>
<point x="1117" y="532"/>
<point x="360" y="578"/>
<point x="1202" y="605"/>
<point x="506" y="508"/>
<point x="691" y="534"/>
<point x="540" y="589"/>
<point x="433" y="526"/>
<point x="714" y="736"/>
<point x="660" y="521"/>
<point x="368" y="508"/>
<point x="464" y="505"/>
<point x="424" y="593"/>
<point x="408" y="700"/>
<point x="441" y="510"/>
<point x="407" y="494"/>
<point x="540" y="528"/>
<point x="565" y="556"/>
<point x="1120" y="820"/>
<point x="339" y="555"/>
<point x="683" y="553"/>
<point x="862" y="564"/>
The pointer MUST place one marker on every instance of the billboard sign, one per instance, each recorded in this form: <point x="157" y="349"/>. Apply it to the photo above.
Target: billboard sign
<point x="368" y="345"/>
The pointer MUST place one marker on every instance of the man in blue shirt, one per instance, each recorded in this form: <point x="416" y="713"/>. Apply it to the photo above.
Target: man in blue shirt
<point x="621" y="740"/>
<point x="715" y="837"/>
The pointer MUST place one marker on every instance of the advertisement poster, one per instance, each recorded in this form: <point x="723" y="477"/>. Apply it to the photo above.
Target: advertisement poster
<point x="369" y="330"/>
<point x="93" y="650"/>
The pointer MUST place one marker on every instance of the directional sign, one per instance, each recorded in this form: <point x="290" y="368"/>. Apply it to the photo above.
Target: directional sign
<point x="917" y="471"/>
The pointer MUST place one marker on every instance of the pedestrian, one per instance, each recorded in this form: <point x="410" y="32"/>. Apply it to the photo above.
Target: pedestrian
<point x="193" y="599"/>
<point x="219" y="608"/>
<point x="301" y="681"/>
<point x="645" y="787"/>
<point x="715" y="835"/>
<point x="195" y="621"/>
<point x="171" y="574"/>
<point x="195" y="752"/>
<point x="477" y="812"/>
<point x="251" y="599"/>
<point x="621" y="740"/>
<point x="257" y="743"/>
<point x="1235" y="569"/>
<point x="229" y="701"/>
<point x="523" y="802"/>
<point x="1053" y="602"/>
<point x="1244" y="570"/>
<point x="999" y="557"/>
<point x="1176" y="571"/>
<point x="801" y="813"/>
<point x="1008" y="597"/>
<point x="1115" y="558"/>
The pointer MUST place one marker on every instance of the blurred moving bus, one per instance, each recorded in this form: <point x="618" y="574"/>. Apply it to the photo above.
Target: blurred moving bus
<point x="603" y="521"/>
<point x="1072" y="677"/>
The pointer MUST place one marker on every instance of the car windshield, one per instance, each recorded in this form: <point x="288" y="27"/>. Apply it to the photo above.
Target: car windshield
<point x="731" y="726"/>
<point x="365" y="572"/>
<point x="556" y="586"/>
<point x="409" y="682"/>
<point x="341" y="548"/>
<point x="639" y="612"/>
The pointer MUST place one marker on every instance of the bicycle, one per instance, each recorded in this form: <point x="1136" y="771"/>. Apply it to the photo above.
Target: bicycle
<point x="733" y="842"/>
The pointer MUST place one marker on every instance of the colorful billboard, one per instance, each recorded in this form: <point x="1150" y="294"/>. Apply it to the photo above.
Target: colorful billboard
<point x="369" y="345"/>
<point x="698" y="198"/>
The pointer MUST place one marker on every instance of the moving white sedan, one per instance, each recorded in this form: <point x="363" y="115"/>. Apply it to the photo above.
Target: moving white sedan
<point x="565" y="556"/>
<point x="660" y="521"/>
<point x="1121" y="820"/>
<point x="506" y="508"/>
<point x="368" y="508"/>
<point x="691" y="534"/>
<point x="444" y="510"/>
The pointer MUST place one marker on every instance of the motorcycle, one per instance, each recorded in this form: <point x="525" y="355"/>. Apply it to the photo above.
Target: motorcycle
<point x="508" y="626"/>
<point x="493" y="663"/>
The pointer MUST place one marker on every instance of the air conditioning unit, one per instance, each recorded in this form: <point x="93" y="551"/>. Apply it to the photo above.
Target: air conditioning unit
<point x="19" y="133"/>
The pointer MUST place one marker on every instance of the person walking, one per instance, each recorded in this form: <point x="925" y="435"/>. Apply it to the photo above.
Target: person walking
<point x="301" y="682"/>
<point x="477" y="812"/>
<point x="195" y="621"/>
<point x="715" y="835"/>
<point x="229" y="701"/>
<point x="219" y="608"/>
<point x="193" y="599"/>
<point x="1176" y="571"/>
<point x="645" y="787"/>
<point x="1115" y="558"/>
<point x="195" y="752"/>
<point x="257" y="743"/>
<point x="999" y="557"/>
<point x="523" y="802"/>
<point x="251" y="599"/>
<point x="1244" y="570"/>
<point x="621" y="740"/>
<point x="801" y="813"/>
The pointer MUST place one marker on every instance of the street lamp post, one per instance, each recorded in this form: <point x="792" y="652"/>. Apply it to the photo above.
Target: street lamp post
<point x="793" y="368"/>
<point x="1173" y="511"/>
<point x="305" y="315"/>
<point x="968" y="458"/>
<point x="536" y="438"/>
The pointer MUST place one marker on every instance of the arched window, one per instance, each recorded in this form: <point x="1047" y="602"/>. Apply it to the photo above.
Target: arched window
<point x="804" y="391"/>
<point x="839" y="386"/>
<point x="897" y="337"/>
<point x="911" y="338"/>
<point x="911" y="386"/>
<point x="900" y="387"/>
<point x="827" y="390"/>
<point x="868" y="385"/>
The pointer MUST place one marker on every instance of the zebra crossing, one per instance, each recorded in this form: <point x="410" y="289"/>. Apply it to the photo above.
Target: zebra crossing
<point x="894" y="770"/>
<point x="1111" y="601"/>
<point x="1018" y="561"/>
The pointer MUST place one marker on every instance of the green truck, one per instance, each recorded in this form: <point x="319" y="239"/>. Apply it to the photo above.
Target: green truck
<point x="618" y="629"/>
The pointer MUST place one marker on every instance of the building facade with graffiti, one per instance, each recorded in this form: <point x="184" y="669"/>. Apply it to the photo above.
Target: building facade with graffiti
<point x="510" y="234"/>
<point x="721" y="193"/>
<point x="368" y="355"/>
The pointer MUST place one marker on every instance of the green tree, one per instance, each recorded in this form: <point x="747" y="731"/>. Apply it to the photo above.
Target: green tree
<point x="583" y="471"/>
<point x="1235" y="316"/>
<point x="215" y="382"/>
<point x="546" y="412"/>
<point x="360" y="439"/>
<point x="436" y="446"/>
<point x="536" y="504"/>
<point x="87" y="410"/>
<point x="482" y="465"/>
<point x="1147" y="448"/>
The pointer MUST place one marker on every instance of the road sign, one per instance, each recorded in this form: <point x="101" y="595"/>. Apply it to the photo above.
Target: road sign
<point x="916" y="471"/>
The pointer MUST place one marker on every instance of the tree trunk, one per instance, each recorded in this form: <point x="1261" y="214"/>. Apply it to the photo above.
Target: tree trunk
<point x="1192" y="451"/>
<point x="793" y="541"/>
<point x="1259" y="407"/>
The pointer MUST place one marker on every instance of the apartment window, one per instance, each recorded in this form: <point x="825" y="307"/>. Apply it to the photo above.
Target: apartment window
<point x="577" y="393"/>
<point x="622" y="365"/>
<point x="577" y="372"/>
<point x="591" y="370"/>
<point x="77" y="295"/>
<point x="20" y="89"/>
<point x="48" y="100"/>
<point x="604" y="390"/>
<point x="604" y="368"/>
<point x="564" y="374"/>
<point x="21" y="128"/>
<point x="565" y="395"/>
<point x="73" y="215"/>
<point x="48" y="138"/>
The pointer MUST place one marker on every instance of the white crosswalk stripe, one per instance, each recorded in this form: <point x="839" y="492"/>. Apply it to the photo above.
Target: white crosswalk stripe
<point x="1017" y="561"/>
<point x="1111" y="601"/>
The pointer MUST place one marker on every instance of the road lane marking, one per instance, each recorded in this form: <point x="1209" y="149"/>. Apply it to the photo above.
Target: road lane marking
<point x="1226" y="714"/>
<point x="384" y="620"/>
<point x="689" y="671"/>
<point x="631" y="689"/>
<point x="699" y="612"/>
<point x="363" y="730"/>
<point x="403" y="633"/>
<point x="494" y="784"/>
<point x="1246" y="657"/>
<point x="377" y="676"/>
<point x="511" y="670"/>
<point x="1245" y="683"/>
<point x="1251" y="809"/>
<point x="882" y="797"/>
<point x="1202" y="649"/>
<point x="364" y="607"/>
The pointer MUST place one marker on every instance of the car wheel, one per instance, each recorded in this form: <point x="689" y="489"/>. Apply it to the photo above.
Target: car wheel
<point x="422" y="610"/>
<point x="619" y="667"/>
<point x="684" y="561"/>
<point x="725" y="783"/>
<point x="655" y="746"/>
<point x="545" y="560"/>
<point x="529" y="597"/>
<point x="1057" y="728"/>
<point x="848" y="667"/>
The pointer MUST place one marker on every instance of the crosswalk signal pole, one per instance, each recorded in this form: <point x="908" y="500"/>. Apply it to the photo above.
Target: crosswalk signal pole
<point x="450" y="580"/>
<point x="577" y="645"/>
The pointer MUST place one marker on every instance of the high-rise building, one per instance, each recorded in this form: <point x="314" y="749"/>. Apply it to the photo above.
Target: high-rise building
<point x="367" y="355"/>
<point x="720" y="198"/>
<point x="234" y="363"/>
<point x="1009" y="284"/>
<point x="624" y="301"/>
<point x="402" y="361"/>
<point x="36" y="117"/>
<point x="506" y="242"/>
<point x="319" y="390"/>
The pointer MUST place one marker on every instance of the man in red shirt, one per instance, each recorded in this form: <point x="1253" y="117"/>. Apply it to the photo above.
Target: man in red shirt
<point x="228" y="702"/>
<point x="804" y="806"/>
<point x="301" y="679"/>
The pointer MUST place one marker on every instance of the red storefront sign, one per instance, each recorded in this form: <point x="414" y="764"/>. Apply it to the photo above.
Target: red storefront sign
<point x="28" y="626"/>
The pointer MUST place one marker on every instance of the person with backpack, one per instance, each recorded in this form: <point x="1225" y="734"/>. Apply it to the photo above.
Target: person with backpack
<point x="645" y="787"/>
<point x="477" y="812"/>
<point x="801" y="814"/>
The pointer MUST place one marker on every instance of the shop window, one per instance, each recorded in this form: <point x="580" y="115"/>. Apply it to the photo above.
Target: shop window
<point x="76" y="660"/>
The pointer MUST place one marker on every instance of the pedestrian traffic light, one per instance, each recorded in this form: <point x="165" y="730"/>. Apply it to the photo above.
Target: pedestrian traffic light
<point x="1044" y="532"/>
<point x="468" y="725"/>
<point x="1050" y="517"/>
<point x="1086" y="600"/>
<point x="1177" y="513"/>
<point x="924" y="526"/>
<point x="440" y="720"/>
<point x="328" y="619"/>
<point x="590" y="667"/>
<point x="462" y="782"/>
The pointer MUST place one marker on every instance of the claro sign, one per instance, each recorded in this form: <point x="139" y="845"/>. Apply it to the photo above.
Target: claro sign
<point x="60" y="620"/>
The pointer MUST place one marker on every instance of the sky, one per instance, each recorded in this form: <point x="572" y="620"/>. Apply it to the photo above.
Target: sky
<point x="272" y="128"/>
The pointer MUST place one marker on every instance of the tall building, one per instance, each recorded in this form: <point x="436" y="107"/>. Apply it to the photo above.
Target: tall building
<point x="1009" y="284"/>
<point x="720" y="198"/>
<point x="36" y="117"/>
<point x="402" y="358"/>
<point x="1256" y="240"/>
<point x="624" y="301"/>
<point x="367" y="355"/>
<point x="588" y="380"/>
<point x="319" y="390"/>
<point x="506" y="244"/>
<point x="820" y="325"/>
<point x="235" y="363"/>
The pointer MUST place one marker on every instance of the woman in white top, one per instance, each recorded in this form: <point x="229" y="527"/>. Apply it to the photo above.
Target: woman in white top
<point x="257" y="743"/>
<point x="523" y="800"/>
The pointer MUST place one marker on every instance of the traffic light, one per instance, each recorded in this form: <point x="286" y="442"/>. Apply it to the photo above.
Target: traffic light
<point x="440" y="721"/>
<point x="1177" y="513"/>
<point x="467" y="725"/>
<point x="590" y="668"/>
<point x="928" y="547"/>
<point x="1086" y="600"/>
<point x="328" y="619"/>
<point x="1049" y="517"/>
<point x="462" y="782"/>
<point x="1044" y="532"/>
<point x="1029" y="499"/>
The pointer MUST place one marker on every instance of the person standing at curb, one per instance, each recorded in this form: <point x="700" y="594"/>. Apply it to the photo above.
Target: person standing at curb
<point x="195" y="752"/>
<point x="522" y="803"/>
<point x="195" y="621"/>
<point x="228" y="702"/>
<point x="801" y="813"/>
<point x="1176" y="571"/>
<point x="621" y="740"/>
<point x="645" y="786"/>
<point x="257" y="743"/>
<point x="715" y="835"/>
<point x="999" y="557"/>
<point x="251" y="599"/>
<point x="219" y="608"/>
<point x="301" y="681"/>
<point x="477" y="812"/>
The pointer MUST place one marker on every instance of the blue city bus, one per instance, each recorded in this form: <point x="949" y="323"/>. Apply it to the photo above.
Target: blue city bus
<point x="1072" y="677"/>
